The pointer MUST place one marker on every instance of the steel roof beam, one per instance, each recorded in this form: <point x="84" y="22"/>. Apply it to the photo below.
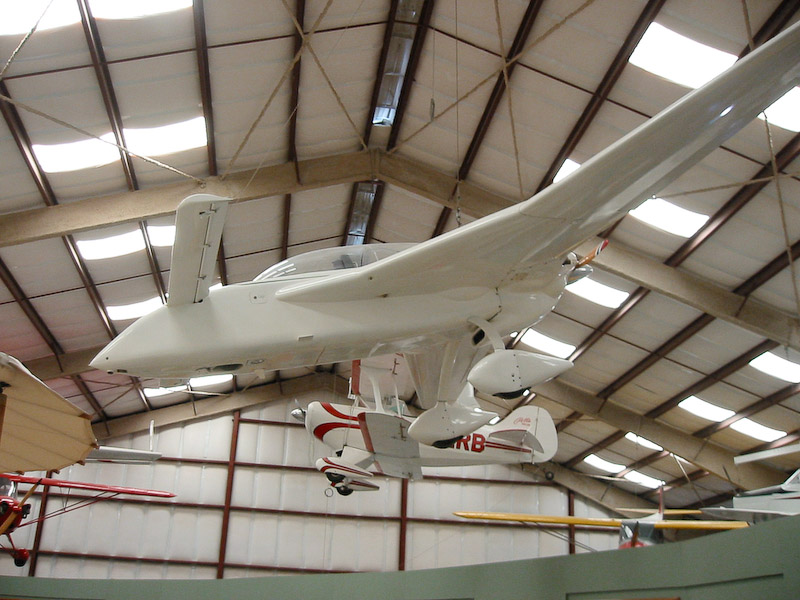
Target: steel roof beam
<point x="600" y="95"/>
<point x="517" y="46"/>
<point x="204" y="75"/>
<point x="704" y="454"/>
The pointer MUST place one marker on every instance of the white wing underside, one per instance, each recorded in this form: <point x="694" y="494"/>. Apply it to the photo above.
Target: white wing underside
<point x="488" y="251"/>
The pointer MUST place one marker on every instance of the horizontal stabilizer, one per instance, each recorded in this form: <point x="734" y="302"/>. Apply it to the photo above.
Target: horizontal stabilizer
<point x="334" y="465"/>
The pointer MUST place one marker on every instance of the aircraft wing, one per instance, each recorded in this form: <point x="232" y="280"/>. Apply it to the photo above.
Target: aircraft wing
<point x="39" y="429"/>
<point x="510" y="243"/>
<point x="544" y="519"/>
<point x="198" y="231"/>
<point x="602" y="522"/>
<point x="386" y="436"/>
<point x="92" y="487"/>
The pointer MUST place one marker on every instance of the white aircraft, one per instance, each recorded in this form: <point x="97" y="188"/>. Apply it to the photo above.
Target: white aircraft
<point x="362" y="437"/>
<point x="445" y="303"/>
<point x="764" y="503"/>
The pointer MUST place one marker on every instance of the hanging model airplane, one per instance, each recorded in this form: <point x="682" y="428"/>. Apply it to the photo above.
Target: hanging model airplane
<point x="362" y="437"/>
<point x="633" y="533"/>
<point x="13" y="510"/>
<point x="764" y="503"/>
<point x="42" y="431"/>
<point x="445" y="303"/>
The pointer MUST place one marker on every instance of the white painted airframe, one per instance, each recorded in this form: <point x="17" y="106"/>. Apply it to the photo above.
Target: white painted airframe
<point x="444" y="303"/>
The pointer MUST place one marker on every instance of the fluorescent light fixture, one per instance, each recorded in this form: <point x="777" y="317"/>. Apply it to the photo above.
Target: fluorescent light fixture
<point x="598" y="293"/>
<point x="669" y="217"/>
<point x="704" y="409"/>
<point x="644" y="480"/>
<point x="774" y="365"/>
<point x="134" y="310"/>
<point x="163" y="391"/>
<point x="537" y="340"/>
<point x="602" y="464"/>
<point x="153" y="141"/>
<point x="208" y="380"/>
<point x="682" y="60"/>
<point x="757" y="431"/>
<point x="568" y="167"/>
<point x="640" y="441"/>
<point x="114" y="9"/>
<point x="785" y="111"/>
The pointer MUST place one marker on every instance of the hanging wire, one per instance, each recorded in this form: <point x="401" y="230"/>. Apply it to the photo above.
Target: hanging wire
<point x="508" y="96"/>
<point x="24" y="40"/>
<point x="458" y="127"/>
<point x="775" y="175"/>
<point x="494" y="74"/>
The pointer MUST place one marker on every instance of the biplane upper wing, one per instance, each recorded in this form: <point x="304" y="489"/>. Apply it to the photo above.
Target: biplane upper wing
<point x="39" y="429"/>
<point x="92" y="487"/>
<point x="510" y="243"/>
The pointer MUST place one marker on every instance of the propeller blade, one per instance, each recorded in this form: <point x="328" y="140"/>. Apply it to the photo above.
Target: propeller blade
<point x="592" y="255"/>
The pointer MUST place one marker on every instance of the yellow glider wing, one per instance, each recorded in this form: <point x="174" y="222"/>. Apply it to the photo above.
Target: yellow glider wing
<point x="602" y="522"/>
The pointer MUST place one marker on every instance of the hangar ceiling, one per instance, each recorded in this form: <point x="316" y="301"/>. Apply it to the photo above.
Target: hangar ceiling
<point x="335" y="122"/>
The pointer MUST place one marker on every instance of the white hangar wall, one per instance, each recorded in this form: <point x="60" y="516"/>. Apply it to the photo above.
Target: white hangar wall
<point x="279" y="519"/>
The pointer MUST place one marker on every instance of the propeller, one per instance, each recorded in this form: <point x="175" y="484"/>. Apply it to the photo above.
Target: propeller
<point x="592" y="255"/>
<point x="10" y="518"/>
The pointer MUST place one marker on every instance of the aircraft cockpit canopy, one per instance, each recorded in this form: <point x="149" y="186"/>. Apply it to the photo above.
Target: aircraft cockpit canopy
<point x="332" y="259"/>
<point x="8" y="488"/>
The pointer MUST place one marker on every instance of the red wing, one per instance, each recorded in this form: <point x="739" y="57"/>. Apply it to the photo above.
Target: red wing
<point x="95" y="487"/>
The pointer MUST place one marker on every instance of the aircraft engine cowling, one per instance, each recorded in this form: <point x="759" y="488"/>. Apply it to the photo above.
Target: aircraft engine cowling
<point x="508" y="373"/>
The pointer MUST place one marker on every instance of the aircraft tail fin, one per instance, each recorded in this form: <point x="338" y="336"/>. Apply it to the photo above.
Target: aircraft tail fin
<point x="531" y="426"/>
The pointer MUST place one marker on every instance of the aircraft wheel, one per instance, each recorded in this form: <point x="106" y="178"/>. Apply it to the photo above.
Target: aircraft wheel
<point x="21" y="557"/>
<point x="334" y="477"/>
<point x="344" y="491"/>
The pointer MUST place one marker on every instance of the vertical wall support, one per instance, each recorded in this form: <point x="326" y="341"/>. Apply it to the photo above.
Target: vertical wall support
<point x="571" y="512"/>
<point x="226" y="512"/>
<point x="37" y="537"/>
<point x="401" y="552"/>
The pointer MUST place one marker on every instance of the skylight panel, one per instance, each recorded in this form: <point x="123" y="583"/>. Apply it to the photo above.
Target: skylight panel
<point x="785" y="111"/>
<point x="208" y="380"/>
<point x="757" y="430"/>
<point x="602" y="464"/>
<point x="161" y="235"/>
<point x="163" y="391"/>
<point x="112" y="246"/>
<point x="640" y="441"/>
<point x="598" y="293"/>
<point x="133" y="311"/>
<point x="644" y="480"/>
<point x="568" y="167"/>
<point x="704" y="409"/>
<point x="73" y="156"/>
<point x="126" y="243"/>
<point x="778" y="367"/>
<point x="20" y="18"/>
<point x="677" y="58"/>
<point x="537" y="340"/>
<point x="114" y="9"/>
<point x="669" y="217"/>
<point x="153" y="141"/>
